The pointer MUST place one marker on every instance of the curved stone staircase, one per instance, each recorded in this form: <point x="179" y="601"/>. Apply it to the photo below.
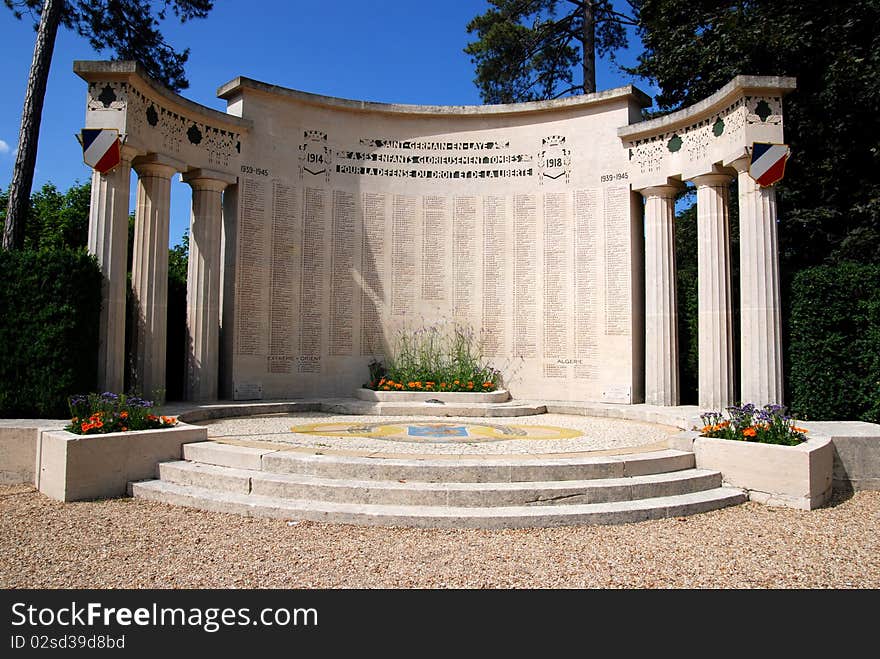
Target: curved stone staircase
<point x="438" y="492"/>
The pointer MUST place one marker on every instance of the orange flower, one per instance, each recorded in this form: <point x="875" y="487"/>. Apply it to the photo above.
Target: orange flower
<point x="470" y="385"/>
<point x="707" y="429"/>
<point x="381" y="382"/>
<point x="487" y="384"/>
<point x="803" y="430"/>
<point x="152" y="417"/>
<point x="723" y="424"/>
<point x="86" y="427"/>
<point x="75" y="419"/>
<point x="169" y="420"/>
<point x="750" y="432"/>
<point x="124" y="429"/>
<point x="443" y="385"/>
<point x="123" y="415"/>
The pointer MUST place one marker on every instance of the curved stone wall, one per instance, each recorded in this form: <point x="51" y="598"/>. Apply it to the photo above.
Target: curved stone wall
<point x="353" y="221"/>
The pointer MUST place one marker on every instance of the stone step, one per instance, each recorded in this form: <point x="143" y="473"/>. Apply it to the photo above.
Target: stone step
<point x="445" y="397"/>
<point x="617" y="512"/>
<point x="421" y="408"/>
<point x="435" y="470"/>
<point x="468" y="494"/>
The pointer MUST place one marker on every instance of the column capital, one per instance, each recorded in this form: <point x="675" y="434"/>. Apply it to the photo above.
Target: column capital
<point x="155" y="164"/>
<point x="663" y="191"/>
<point x="128" y="153"/>
<point x="712" y="180"/>
<point x="208" y="179"/>
<point x="742" y="164"/>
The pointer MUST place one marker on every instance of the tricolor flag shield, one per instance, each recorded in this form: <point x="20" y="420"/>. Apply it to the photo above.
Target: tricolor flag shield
<point x="101" y="149"/>
<point x="768" y="163"/>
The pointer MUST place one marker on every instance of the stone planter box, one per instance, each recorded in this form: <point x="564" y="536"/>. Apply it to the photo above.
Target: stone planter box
<point x="791" y="476"/>
<point x="75" y="467"/>
<point x="499" y="396"/>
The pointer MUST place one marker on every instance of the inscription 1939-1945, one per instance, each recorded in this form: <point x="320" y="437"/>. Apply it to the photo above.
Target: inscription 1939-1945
<point x="250" y="169"/>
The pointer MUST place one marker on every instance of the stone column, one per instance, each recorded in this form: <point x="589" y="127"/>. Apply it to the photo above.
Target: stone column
<point x="661" y="313"/>
<point x="149" y="276"/>
<point x="715" y="323"/>
<point x="108" y="241"/>
<point x="760" y="308"/>
<point x="203" y="283"/>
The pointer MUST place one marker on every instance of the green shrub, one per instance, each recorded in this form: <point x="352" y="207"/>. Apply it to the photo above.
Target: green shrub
<point x="441" y="357"/>
<point x="50" y="302"/>
<point x="835" y="343"/>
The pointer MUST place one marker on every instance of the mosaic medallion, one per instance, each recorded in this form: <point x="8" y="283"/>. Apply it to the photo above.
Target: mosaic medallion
<point x="404" y="431"/>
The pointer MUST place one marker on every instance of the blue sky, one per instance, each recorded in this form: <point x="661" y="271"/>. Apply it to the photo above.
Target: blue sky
<point x="396" y="51"/>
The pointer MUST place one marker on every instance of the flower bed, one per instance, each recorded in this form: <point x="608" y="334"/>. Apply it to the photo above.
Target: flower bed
<point x="99" y="414"/>
<point x="73" y="467"/>
<point x="441" y="358"/>
<point x="769" y="456"/>
<point x="770" y="425"/>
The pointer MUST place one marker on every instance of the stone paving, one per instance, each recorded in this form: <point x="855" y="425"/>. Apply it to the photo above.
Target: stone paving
<point x="381" y="435"/>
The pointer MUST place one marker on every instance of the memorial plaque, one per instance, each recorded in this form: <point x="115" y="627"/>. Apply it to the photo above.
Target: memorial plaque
<point x="313" y="267"/>
<point x="495" y="251"/>
<point x="465" y="256"/>
<point x="373" y="273"/>
<point x="284" y="275"/>
<point x="525" y="266"/>
<point x="587" y="241"/>
<point x="342" y="274"/>
<point x="557" y="280"/>
<point x="403" y="255"/>
<point x="434" y="247"/>
<point x="618" y="317"/>
<point x="355" y="223"/>
<point x="251" y="300"/>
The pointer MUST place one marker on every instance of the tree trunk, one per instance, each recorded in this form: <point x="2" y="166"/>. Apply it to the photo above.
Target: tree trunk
<point x="589" y="44"/>
<point x="29" y="134"/>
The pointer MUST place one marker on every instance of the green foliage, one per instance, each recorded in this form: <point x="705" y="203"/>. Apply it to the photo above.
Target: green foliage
<point x="770" y="425"/>
<point x="526" y="49"/>
<point x="835" y="342"/>
<point x="99" y="414"/>
<point x="55" y="219"/>
<point x="177" y="345"/>
<point x="830" y="199"/>
<point x="129" y="28"/>
<point x="436" y="358"/>
<point x="48" y="328"/>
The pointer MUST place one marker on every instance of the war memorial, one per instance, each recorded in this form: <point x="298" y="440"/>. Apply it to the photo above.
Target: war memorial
<point x="322" y="228"/>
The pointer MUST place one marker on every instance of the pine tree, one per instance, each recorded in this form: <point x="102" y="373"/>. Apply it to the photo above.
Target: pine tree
<point x="528" y="50"/>
<point x="129" y="28"/>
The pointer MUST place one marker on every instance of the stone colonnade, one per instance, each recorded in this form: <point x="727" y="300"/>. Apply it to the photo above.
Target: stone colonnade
<point x="108" y="240"/>
<point x="760" y="324"/>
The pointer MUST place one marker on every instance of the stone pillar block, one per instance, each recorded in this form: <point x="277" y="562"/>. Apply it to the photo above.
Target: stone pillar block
<point x="203" y="283"/>
<point x="760" y="306"/>
<point x="661" y="311"/>
<point x="715" y="323"/>
<point x="149" y="277"/>
<point x="108" y="241"/>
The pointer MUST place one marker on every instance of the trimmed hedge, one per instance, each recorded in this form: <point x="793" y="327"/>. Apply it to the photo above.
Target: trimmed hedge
<point x="835" y="343"/>
<point x="49" y="309"/>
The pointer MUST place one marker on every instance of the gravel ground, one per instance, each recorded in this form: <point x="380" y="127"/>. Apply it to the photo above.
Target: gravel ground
<point x="596" y="433"/>
<point x="128" y="543"/>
